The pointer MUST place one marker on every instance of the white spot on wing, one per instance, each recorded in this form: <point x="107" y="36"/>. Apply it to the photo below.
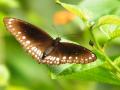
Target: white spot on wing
<point x="36" y="56"/>
<point x="70" y="57"/>
<point x="28" y="42"/>
<point x="28" y="47"/>
<point x="57" y="59"/>
<point x="21" y="40"/>
<point x="33" y="48"/>
<point x="39" y="53"/>
<point x="48" y="57"/>
<point x="57" y="62"/>
<point x="54" y="58"/>
<point x="82" y="59"/>
<point x="10" y="20"/>
<point x="64" y="57"/>
<point x="51" y="62"/>
<point x="90" y="57"/>
<point x="86" y="59"/>
<point x="51" y="58"/>
<point x="19" y="32"/>
<point x="33" y="53"/>
<point x="93" y="55"/>
<point x="29" y="51"/>
<point x="12" y="29"/>
<point x="23" y="37"/>
<point x="76" y="57"/>
<point x="9" y="26"/>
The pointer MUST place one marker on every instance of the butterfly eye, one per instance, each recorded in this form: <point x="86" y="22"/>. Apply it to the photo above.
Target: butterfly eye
<point x="44" y="48"/>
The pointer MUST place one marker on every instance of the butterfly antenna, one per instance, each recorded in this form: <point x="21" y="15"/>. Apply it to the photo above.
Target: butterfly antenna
<point x="52" y="27"/>
<point x="56" y="30"/>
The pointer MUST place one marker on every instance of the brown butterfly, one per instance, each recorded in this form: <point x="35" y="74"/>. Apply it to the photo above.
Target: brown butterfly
<point x="44" y="48"/>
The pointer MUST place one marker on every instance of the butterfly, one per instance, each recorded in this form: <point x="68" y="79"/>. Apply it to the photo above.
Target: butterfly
<point x="44" y="48"/>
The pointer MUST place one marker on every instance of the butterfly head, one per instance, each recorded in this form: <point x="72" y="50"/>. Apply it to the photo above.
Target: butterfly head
<point x="56" y="41"/>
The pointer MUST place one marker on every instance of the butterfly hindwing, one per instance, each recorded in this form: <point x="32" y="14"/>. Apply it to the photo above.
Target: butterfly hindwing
<point x="70" y="53"/>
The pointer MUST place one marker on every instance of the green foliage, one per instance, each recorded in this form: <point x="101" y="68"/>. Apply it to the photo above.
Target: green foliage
<point x="115" y="34"/>
<point x="100" y="8"/>
<point x="109" y="20"/>
<point x="98" y="19"/>
<point x="4" y="75"/>
<point x="11" y="3"/>
<point x="117" y="61"/>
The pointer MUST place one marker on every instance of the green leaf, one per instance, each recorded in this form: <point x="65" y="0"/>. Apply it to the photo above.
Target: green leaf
<point x="100" y="7"/>
<point x="108" y="19"/>
<point x="4" y="75"/>
<point x="67" y="69"/>
<point x="117" y="61"/>
<point x="75" y="10"/>
<point x="10" y="3"/>
<point x="115" y="34"/>
<point x="11" y="87"/>
<point x="98" y="74"/>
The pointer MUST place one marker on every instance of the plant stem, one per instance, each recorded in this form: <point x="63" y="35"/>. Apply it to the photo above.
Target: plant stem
<point x="108" y="60"/>
<point x="112" y="64"/>
<point x="94" y="39"/>
<point x="98" y="48"/>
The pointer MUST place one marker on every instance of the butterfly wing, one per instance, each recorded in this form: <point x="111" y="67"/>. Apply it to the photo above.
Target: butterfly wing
<point x="69" y="53"/>
<point x="33" y="39"/>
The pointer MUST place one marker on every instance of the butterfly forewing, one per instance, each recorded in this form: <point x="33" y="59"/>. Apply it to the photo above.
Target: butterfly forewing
<point x="37" y="43"/>
<point x="33" y="39"/>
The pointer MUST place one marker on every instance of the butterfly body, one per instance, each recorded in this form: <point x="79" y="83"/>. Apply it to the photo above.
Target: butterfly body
<point x="44" y="48"/>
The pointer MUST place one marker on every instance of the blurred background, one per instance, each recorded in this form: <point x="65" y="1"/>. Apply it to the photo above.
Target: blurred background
<point x="18" y="71"/>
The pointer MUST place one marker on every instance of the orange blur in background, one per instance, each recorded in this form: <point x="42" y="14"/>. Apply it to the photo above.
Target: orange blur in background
<point x="63" y="17"/>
